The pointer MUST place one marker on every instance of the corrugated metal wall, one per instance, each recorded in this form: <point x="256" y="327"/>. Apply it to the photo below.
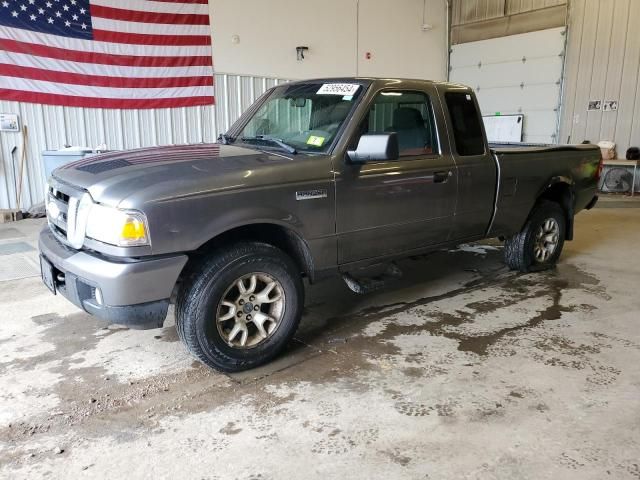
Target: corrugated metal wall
<point x="52" y="127"/>
<point x="514" y="7"/>
<point x="470" y="11"/>
<point x="603" y="62"/>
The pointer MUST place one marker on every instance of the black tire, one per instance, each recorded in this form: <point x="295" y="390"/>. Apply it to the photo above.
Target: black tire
<point x="519" y="250"/>
<point x="206" y="284"/>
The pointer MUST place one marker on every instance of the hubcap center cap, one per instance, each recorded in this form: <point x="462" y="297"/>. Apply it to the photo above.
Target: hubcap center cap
<point x="248" y="307"/>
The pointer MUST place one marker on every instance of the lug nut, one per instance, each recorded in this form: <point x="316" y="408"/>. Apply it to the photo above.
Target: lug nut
<point x="252" y="298"/>
<point x="256" y="308"/>
<point x="239" y="314"/>
<point x="248" y="317"/>
<point x="241" y="302"/>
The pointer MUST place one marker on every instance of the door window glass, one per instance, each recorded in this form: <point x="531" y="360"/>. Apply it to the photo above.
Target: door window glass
<point x="409" y="115"/>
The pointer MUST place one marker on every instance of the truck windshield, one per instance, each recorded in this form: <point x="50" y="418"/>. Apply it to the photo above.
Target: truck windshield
<point x="301" y="117"/>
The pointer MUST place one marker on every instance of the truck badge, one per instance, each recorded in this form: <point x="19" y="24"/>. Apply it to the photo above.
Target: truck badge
<point x="311" y="194"/>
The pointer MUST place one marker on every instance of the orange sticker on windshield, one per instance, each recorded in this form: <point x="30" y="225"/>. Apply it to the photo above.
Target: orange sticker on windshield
<point x="315" y="141"/>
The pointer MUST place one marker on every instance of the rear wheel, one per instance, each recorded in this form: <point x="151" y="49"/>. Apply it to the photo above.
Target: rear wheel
<point x="240" y="307"/>
<point x="539" y="244"/>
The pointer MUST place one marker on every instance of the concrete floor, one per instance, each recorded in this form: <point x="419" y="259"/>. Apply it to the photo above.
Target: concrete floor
<point x="460" y="370"/>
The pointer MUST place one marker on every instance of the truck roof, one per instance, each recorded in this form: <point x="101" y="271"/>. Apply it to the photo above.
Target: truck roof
<point x="385" y="80"/>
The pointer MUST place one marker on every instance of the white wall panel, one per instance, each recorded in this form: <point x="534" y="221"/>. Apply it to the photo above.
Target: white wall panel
<point x="258" y="37"/>
<point x="52" y="127"/>
<point x="395" y="39"/>
<point x="516" y="74"/>
<point x="534" y="71"/>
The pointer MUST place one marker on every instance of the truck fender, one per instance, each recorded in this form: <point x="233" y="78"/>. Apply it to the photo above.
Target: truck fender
<point x="279" y="233"/>
<point x="560" y="189"/>
<point x="555" y="180"/>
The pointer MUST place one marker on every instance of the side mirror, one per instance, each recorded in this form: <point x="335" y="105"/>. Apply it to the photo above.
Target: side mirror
<point x="372" y="147"/>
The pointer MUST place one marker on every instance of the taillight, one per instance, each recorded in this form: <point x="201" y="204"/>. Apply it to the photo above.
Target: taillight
<point x="600" y="168"/>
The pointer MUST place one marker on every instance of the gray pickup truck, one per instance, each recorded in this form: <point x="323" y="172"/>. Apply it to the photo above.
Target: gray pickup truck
<point x="320" y="177"/>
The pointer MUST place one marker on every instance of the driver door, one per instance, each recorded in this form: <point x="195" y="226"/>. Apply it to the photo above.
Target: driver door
<point x="390" y="207"/>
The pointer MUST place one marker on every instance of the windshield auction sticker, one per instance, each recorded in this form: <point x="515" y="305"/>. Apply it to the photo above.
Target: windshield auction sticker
<point x="338" y="89"/>
<point x="315" y="141"/>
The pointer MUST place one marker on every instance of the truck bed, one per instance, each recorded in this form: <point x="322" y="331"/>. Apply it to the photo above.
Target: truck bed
<point x="525" y="172"/>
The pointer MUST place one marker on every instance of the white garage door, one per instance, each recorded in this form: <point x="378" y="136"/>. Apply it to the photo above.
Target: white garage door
<point x="516" y="74"/>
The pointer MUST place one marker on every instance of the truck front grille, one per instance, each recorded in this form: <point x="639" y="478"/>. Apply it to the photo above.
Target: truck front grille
<point x="59" y="223"/>
<point x="63" y="197"/>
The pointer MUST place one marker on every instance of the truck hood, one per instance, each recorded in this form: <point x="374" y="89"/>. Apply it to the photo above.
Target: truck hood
<point x="133" y="177"/>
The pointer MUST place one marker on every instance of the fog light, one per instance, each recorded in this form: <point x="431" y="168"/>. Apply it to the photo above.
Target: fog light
<point x="98" y="295"/>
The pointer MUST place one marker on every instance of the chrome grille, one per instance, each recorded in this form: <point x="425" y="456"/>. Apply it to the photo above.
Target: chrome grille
<point x="61" y="201"/>
<point x="60" y="196"/>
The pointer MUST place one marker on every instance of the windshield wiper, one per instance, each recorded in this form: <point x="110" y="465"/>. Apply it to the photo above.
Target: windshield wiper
<point x="277" y="141"/>
<point x="225" y="139"/>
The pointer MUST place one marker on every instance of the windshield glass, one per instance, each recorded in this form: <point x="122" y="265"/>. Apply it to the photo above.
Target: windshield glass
<point x="305" y="117"/>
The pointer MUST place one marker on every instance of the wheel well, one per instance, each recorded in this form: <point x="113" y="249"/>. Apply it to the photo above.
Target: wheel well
<point x="562" y="194"/>
<point x="278" y="236"/>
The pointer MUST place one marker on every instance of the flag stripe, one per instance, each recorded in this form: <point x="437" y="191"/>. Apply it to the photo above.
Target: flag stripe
<point x="142" y="39"/>
<point x="56" y="65"/>
<point x="148" y="17"/>
<point x="92" y="102"/>
<point x="155" y="28"/>
<point x="104" y="47"/>
<point x="103" y="80"/>
<point x="107" y="53"/>
<point x="199" y="8"/>
<point x="40" y="51"/>
<point x="11" y="83"/>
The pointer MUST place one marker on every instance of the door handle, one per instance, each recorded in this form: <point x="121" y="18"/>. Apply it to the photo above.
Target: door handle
<point x="442" y="177"/>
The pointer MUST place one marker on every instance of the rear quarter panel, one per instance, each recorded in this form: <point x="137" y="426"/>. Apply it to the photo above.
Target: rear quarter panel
<point x="526" y="172"/>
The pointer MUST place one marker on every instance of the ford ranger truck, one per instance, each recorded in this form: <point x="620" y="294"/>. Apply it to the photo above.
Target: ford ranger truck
<point x="318" y="178"/>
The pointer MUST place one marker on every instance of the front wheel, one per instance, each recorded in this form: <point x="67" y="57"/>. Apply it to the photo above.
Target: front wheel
<point x="240" y="307"/>
<point x="539" y="244"/>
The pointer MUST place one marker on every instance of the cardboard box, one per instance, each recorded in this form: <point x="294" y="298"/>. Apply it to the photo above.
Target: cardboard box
<point x="607" y="150"/>
<point x="7" y="216"/>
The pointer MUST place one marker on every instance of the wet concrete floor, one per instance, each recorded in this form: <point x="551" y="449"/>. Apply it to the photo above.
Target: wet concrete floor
<point x="461" y="369"/>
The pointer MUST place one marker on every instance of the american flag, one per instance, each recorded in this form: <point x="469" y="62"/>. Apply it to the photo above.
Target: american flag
<point x="106" y="53"/>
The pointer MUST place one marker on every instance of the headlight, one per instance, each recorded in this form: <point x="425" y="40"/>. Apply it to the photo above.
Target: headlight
<point x="123" y="228"/>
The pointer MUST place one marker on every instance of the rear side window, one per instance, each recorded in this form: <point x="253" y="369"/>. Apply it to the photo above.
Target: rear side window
<point x="465" y="118"/>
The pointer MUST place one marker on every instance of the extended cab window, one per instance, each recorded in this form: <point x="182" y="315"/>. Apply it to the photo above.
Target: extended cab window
<point x="465" y="119"/>
<point x="409" y="114"/>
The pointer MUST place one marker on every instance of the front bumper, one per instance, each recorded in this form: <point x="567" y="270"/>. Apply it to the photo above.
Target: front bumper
<point x="135" y="293"/>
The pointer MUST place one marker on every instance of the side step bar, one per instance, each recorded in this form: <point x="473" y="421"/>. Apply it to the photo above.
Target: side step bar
<point x="368" y="285"/>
